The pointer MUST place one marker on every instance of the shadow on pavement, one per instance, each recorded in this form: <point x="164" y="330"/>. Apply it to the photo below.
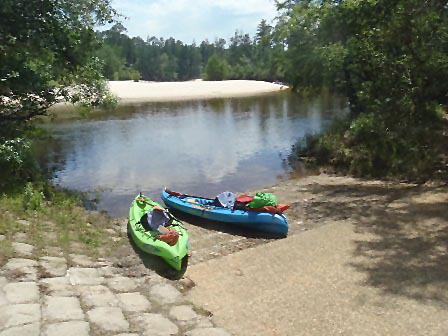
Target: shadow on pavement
<point x="403" y="245"/>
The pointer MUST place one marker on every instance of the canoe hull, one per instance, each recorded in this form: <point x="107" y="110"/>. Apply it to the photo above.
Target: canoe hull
<point x="197" y="206"/>
<point x="146" y="240"/>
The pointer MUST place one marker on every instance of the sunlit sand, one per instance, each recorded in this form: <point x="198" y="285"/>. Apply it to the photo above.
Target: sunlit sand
<point x="129" y="91"/>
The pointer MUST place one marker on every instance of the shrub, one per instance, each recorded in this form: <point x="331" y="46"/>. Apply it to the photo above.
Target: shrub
<point x="16" y="161"/>
<point x="216" y="69"/>
<point x="33" y="198"/>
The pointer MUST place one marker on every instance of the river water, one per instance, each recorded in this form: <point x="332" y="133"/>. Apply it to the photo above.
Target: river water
<point x="196" y="147"/>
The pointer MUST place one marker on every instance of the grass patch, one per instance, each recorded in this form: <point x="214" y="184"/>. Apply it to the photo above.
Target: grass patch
<point x="51" y="217"/>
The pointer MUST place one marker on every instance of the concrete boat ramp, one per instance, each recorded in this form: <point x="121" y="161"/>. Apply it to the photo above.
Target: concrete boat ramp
<point x="308" y="284"/>
<point x="362" y="258"/>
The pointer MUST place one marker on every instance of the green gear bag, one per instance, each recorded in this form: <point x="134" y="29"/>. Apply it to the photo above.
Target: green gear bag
<point x="262" y="199"/>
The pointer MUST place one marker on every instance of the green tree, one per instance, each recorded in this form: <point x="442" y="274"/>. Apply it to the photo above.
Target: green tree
<point x="263" y="37"/>
<point x="46" y="56"/>
<point x="390" y="58"/>
<point x="168" y="67"/>
<point x="113" y="62"/>
<point x="216" y="68"/>
<point x="265" y="53"/>
<point x="46" y="49"/>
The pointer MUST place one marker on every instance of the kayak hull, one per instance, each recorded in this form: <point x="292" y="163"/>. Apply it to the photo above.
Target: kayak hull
<point x="147" y="241"/>
<point x="276" y="224"/>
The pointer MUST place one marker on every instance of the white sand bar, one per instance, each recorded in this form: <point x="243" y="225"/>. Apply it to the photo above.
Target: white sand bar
<point x="138" y="92"/>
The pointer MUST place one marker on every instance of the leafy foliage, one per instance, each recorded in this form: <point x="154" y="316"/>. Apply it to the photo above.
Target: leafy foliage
<point x="46" y="49"/>
<point x="15" y="160"/>
<point x="215" y="69"/>
<point x="33" y="198"/>
<point x="390" y="59"/>
<point x="46" y="56"/>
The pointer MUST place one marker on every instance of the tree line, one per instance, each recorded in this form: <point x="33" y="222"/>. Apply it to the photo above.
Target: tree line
<point x="159" y="59"/>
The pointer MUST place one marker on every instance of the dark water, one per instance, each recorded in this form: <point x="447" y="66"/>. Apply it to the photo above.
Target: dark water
<point x="200" y="147"/>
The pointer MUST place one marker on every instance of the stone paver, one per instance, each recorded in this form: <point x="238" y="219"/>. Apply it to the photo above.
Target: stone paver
<point x="122" y="284"/>
<point x="183" y="313"/>
<point x="108" y="319"/>
<point x="98" y="296"/>
<point x="53" y="251"/>
<point x="82" y="260"/>
<point x="23" y="330"/>
<point x="59" y="286"/>
<point x="108" y="271"/>
<point x="62" y="309"/>
<point x="133" y="302"/>
<point x="21" y="292"/>
<point x="204" y="322"/>
<point x="208" y="332"/>
<point x="20" y="237"/>
<point x="23" y="249"/>
<point x="18" y="314"/>
<point x="22" y="269"/>
<point x="71" y="328"/>
<point x="3" y="281"/>
<point x="165" y="294"/>
<point x="85" y="276"/>
<point x="154" y="325"/>
<point x="3" y="300"/>
<point x="54" y="266"/>
<point x="18" y="263"/>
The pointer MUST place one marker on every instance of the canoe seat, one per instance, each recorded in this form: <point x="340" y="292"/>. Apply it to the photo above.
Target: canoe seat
<point x="144" y="222"/>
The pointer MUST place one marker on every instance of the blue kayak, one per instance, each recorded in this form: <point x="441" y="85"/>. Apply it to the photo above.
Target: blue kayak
<point x="276" y="224"/>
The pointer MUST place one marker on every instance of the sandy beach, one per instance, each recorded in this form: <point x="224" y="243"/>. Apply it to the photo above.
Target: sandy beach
<point x="140" y="92"/>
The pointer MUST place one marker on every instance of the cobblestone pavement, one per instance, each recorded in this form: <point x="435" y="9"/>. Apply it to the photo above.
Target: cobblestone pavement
<point x="55" y="293"/>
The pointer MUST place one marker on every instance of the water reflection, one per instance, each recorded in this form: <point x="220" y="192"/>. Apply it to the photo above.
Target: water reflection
<point x="201" y="147"/>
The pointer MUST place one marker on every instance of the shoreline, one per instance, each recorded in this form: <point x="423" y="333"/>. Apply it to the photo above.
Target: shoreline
<point x="131" y="93"/>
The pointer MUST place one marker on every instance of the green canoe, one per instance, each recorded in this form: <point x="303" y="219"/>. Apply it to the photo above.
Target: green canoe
<point x="147" y="240"/>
